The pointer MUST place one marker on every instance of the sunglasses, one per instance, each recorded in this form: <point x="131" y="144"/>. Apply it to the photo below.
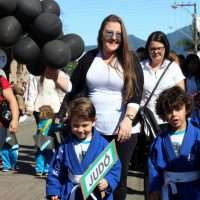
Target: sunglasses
<point x="109" y="36"/>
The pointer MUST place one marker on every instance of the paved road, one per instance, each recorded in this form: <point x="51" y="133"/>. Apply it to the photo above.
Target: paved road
<point x="23" y="185"/>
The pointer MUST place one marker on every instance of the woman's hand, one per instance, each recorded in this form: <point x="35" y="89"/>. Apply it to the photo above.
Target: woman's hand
<point x="124" y="130"/>
<point x="60" y="78"/>
<point x="13" y="126"/>
<point x="103" y="184"/>
<point x="51" y="73"/>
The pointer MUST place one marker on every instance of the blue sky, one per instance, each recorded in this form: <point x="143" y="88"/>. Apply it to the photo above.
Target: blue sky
<point x="141" y="17"/>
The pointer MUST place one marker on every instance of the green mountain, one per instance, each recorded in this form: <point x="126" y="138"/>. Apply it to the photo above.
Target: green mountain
<point x="175" y="38"/>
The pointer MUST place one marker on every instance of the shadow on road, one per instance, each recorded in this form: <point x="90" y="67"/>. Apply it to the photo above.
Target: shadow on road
<point x="132" y="191"/>
<point x="26" y="160"/>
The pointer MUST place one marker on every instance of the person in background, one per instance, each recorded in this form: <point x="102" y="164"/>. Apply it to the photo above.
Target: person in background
<point x="76" y="154"/>
<point x="174" y="57"/>
<point x="44" y="129"/>
<point x="141" y="53"/>
<point x="9" y="153"/>
<point x="192" y="64"/>
<point x="195" y="116"/>
<point x="181" y="61"/>
<point x="2" y="73"/>
<point x="174" y="157"/>
<point x="112" y="78"/>
<point x="46" y="90"/>
<point x="158" y="50"/>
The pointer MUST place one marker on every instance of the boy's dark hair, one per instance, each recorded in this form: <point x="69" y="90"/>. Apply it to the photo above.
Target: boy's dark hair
<point x="172" y="99"/>
<point x="82" y="108"/>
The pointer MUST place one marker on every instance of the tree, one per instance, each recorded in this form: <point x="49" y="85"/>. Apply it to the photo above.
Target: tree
<point x="70" y="67"/>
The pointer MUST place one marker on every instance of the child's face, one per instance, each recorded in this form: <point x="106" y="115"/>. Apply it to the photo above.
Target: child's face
<point x="81" y="128"/>
<point x="177" y="118"/>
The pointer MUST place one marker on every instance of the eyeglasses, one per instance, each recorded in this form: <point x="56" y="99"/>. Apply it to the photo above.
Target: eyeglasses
<point x="156" y="49"/>
<point x="109" y="36"/>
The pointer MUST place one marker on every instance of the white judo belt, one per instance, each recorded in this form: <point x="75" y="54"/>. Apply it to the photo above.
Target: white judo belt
<point x="171" y="178"/>
<point x="75" y="179"/>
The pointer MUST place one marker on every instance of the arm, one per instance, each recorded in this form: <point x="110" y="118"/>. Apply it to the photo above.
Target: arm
<point x="9" y="96"/>
<point x="57" y="174"/>
<point x="78" y="82"/>
<point x="32" y="92"/>
<point x="181" y="84"/>
<point x="60" y="78"/>
<point x="155" y="178"/>
<point x="78" y="79"/>
<point x="112" y="178"/>
<point x="124" y="130"/>
<point x="154" y="182"/>
<point x="178" y="76"/>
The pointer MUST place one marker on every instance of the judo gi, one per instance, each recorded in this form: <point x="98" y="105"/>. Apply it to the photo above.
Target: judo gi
<point x="66" y="164"/>
<point x="176" y="176"/>
<point x="195" y="116"/>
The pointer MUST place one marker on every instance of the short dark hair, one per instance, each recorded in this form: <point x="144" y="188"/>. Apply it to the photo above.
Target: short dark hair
<point x="172" y="99"/>
<point x="158" y="36"/>
<point x="82" y="108"/>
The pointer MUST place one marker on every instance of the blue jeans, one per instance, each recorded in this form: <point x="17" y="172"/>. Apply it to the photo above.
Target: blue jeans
<point x="9" y="157"/>
<point x="42" y="161"/>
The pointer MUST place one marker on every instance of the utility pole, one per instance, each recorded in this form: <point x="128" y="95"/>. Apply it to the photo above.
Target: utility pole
<point x="194" y="5"/>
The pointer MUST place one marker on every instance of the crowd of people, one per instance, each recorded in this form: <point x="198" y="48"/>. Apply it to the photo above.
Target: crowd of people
<point x="99" y="103"/>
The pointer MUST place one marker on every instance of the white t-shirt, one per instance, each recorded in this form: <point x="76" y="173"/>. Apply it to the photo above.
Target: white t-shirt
<point x="177" y="139"/>
<point x="81" y="147"/>
<point x="105" y="91"/>
<point x="45" y="93"/>
<point x="172" y="76"/>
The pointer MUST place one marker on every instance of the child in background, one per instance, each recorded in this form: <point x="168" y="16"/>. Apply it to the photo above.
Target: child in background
<point x="195" y="117"/>
<point x="8" y="141"/>
<point x="174" y="160"/>
<point x="75" y="155"/>
<point x="43" y="141"/>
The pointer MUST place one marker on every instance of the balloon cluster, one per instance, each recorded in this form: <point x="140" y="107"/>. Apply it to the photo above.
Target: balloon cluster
<point x="33" y="29"/>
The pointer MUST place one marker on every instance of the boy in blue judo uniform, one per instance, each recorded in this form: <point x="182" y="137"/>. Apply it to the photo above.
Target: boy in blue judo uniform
<point x="174" y="161"/>
<point x="75" y="155"/>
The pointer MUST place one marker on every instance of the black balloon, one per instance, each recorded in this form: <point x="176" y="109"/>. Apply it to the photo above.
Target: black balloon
<point x="26" y="50"/>
<point x="50" y="6"/>
<point x="76" y="44"/>
<point x="10" y="31"/>
<point x="36" y="68"/>
<point x="28" y="10"/>
<point x="47" y="26"/>
<point x="7" y="6"/>
<point x="56" y="54"/>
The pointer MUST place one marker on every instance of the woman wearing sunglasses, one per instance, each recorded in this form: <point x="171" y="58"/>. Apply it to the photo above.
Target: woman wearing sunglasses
<point x="112" y="78"/>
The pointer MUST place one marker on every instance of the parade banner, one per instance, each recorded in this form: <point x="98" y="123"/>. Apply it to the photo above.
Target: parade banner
<point x="98" y="169"/>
